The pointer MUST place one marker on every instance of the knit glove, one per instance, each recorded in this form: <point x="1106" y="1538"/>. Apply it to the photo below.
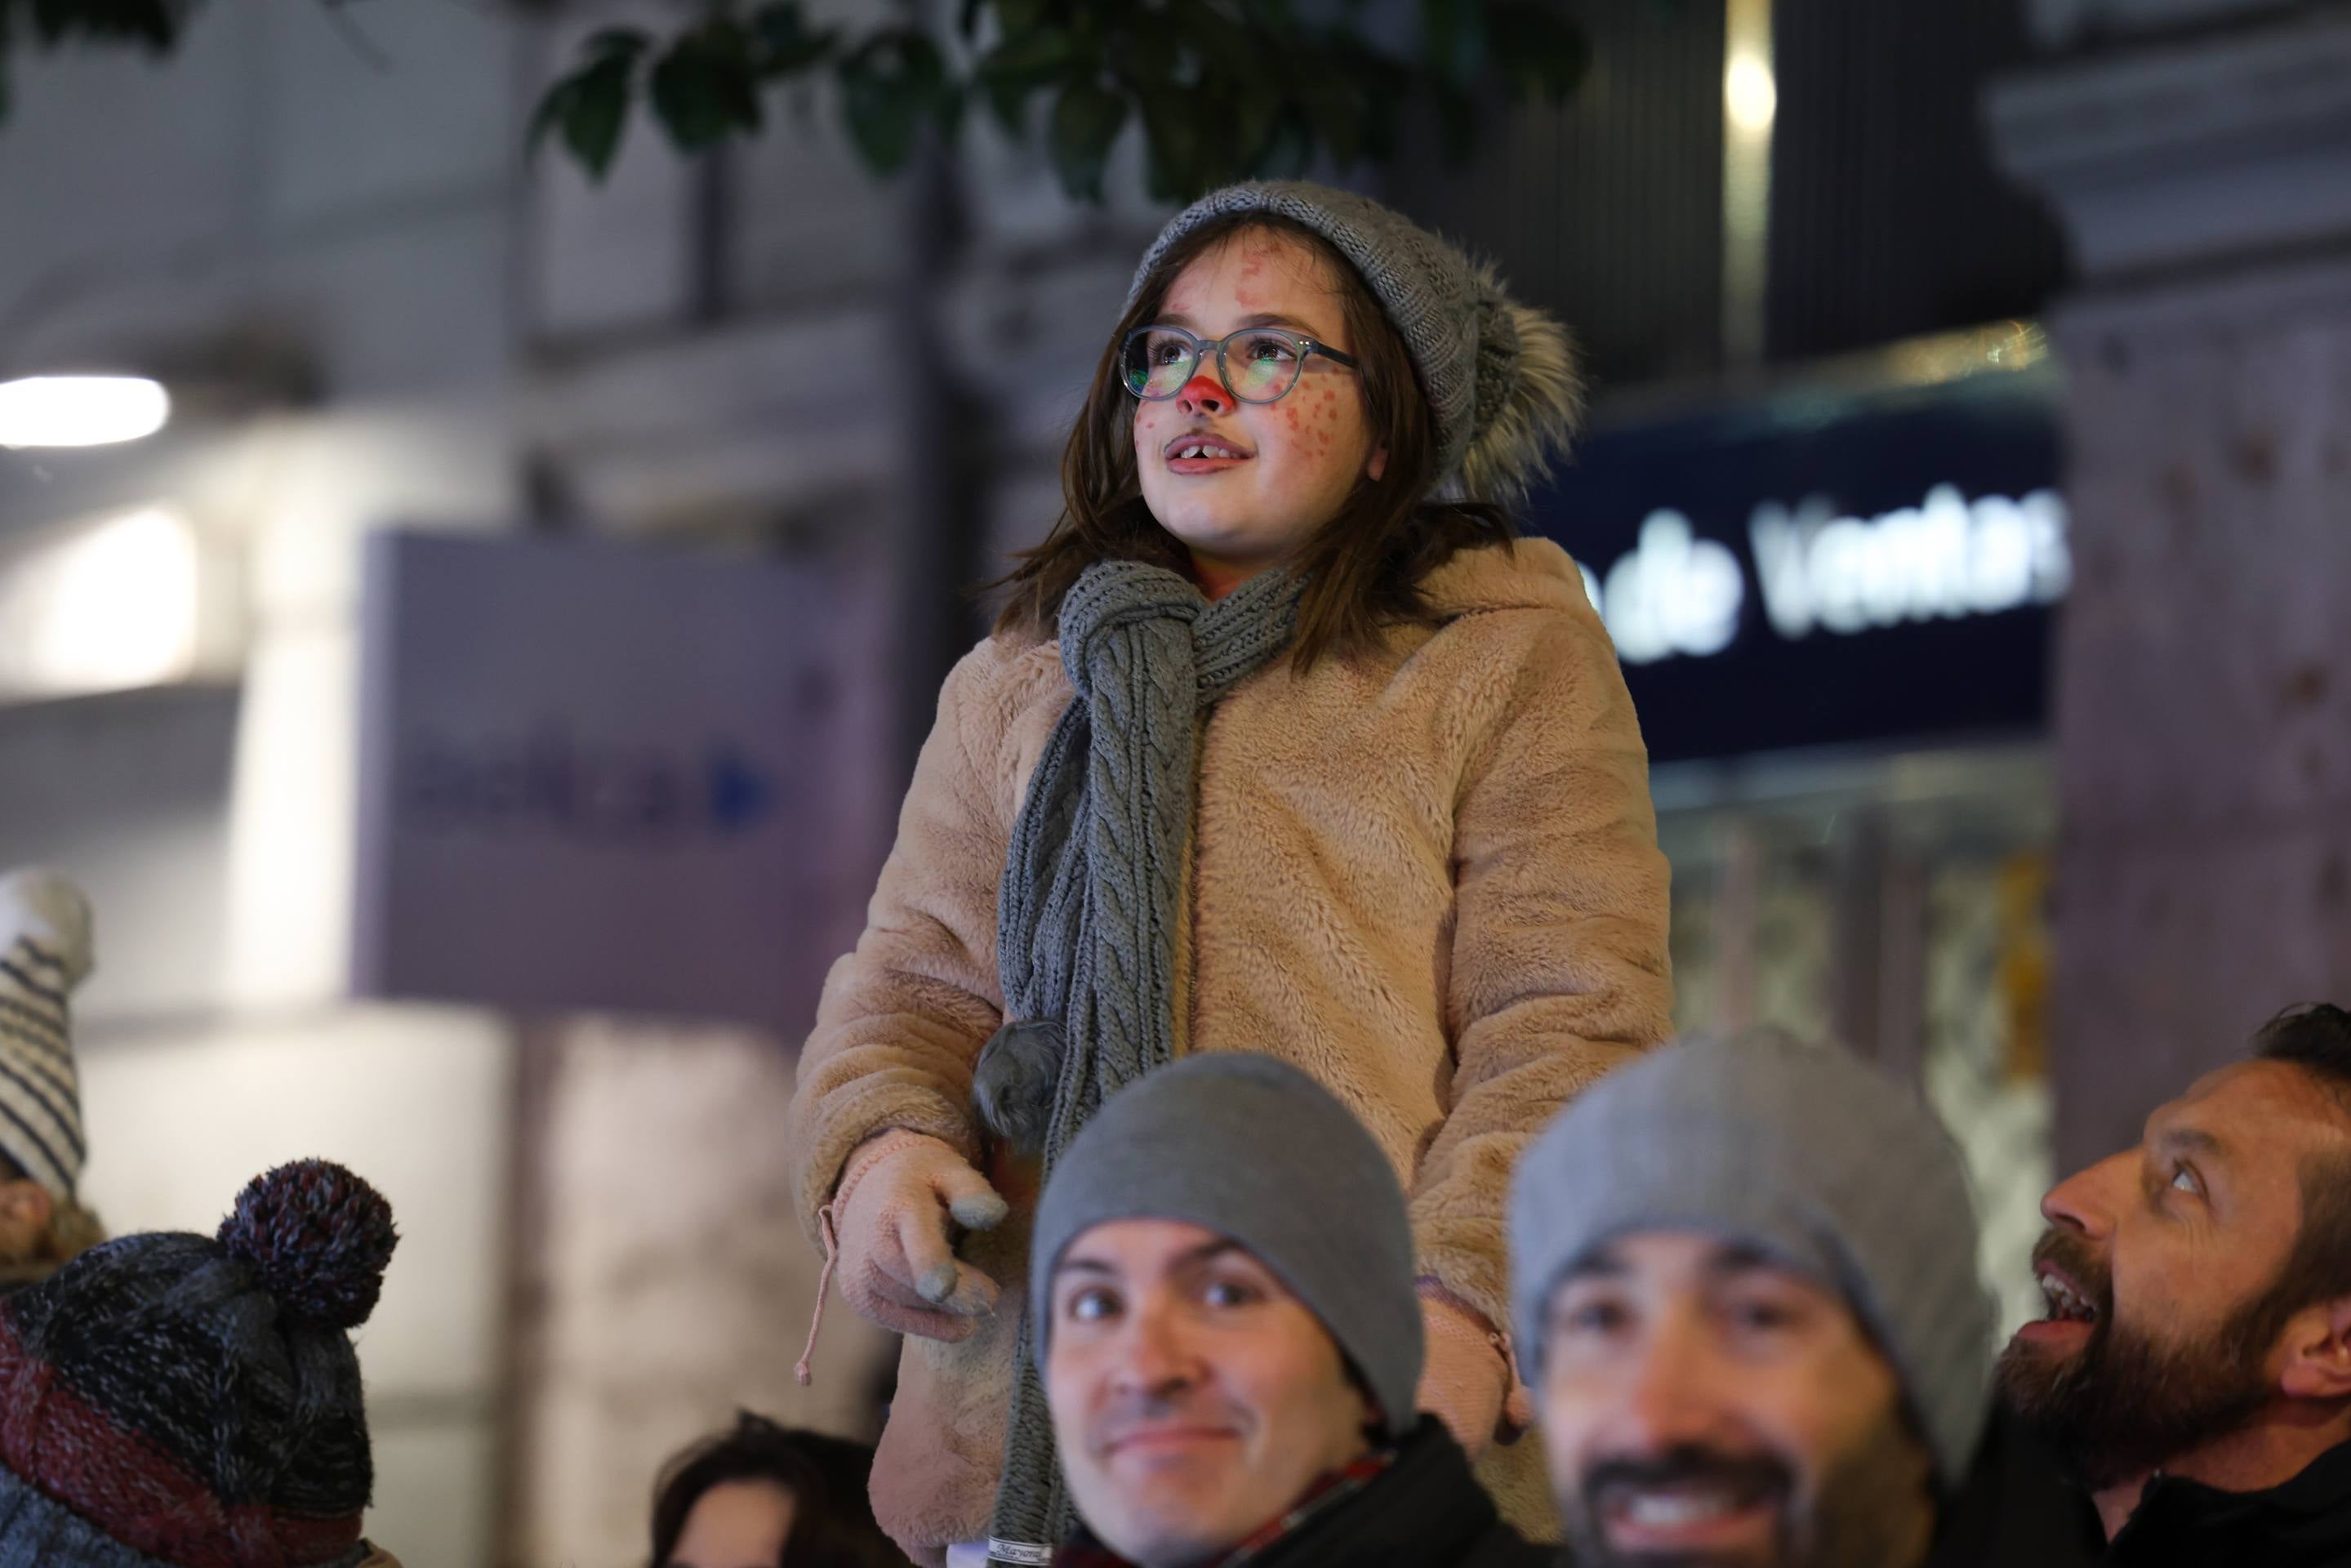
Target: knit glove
<point x="1467" y="1380"/>
<point x="897" y="1260"/>
<point x="48" y="909"/>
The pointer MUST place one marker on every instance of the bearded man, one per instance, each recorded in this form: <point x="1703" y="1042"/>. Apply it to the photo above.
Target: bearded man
<point x="2194" y="1370"/>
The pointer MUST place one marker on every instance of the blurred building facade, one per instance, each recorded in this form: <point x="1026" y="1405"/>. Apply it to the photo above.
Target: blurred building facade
<point x="766" y="354"/>
<point x="2195" y="150"/>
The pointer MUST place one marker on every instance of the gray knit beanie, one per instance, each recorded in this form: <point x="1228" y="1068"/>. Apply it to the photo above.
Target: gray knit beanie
<point x="1822" y="1161"/>
<point x="1504" y="389"/>
<point x="1255" y="1150"/>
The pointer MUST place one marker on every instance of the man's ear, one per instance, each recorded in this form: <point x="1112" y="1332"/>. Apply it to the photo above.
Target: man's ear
<point x="2318" y="1352"/>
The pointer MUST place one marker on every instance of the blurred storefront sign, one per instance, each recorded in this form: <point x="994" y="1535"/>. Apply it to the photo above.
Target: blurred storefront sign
<point x="112" y="604"/>
<point x="600" y="776"/>
<point x="1870" y="568"/>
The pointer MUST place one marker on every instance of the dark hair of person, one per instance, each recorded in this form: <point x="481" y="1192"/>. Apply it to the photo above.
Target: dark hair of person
<point x="832" y="1521"/>
<point x="1364" y="569"/>
<point x="2317" y="1040"/>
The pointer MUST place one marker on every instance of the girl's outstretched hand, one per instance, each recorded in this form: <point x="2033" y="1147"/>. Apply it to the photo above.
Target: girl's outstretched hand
<point x="897" y="1263"/>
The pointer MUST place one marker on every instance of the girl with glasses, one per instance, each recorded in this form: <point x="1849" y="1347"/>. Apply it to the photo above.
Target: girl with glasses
<point x="1282" y="743"/>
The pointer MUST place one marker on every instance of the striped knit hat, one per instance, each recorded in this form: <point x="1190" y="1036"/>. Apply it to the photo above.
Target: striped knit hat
<point x="190" y="1401"/>
<point x="45" y="951"/>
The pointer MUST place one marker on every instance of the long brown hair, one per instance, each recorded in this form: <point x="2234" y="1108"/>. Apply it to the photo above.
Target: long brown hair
<point x="1362" y="569"/>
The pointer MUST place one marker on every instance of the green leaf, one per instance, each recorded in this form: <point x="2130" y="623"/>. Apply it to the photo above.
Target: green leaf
<point x="1087" y="117"/>
<point x="923" y="67"/>
<point x="1225" y="46"/>
<point x="705" y="88"/>
<point x="1173" y="154"/>
<point x="1372" y="84"/>
<point x="952" y="103"/>
<point x="879" y="119"/>
<point x="1289" y="152"/>
<point x="890" y="85"/>
<point x="1251" y="121"/>
<point x="149" y="22"/>
<point x="1337" y="118"/>
<point x="968" y="18"/>
<point x="1032" y="58"/>
<point x="1010" y="107"/>
<point x="1453" y="40"/>
<point x="1014" y="70"/>
<point x="1019" y="16"/>
<point x="1541" y="52"/>
<point x="590" y="108"/>
<point x="783" y="44"/>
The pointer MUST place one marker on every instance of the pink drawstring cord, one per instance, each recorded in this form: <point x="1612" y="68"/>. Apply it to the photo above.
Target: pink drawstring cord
<point x="801" y="1371"/>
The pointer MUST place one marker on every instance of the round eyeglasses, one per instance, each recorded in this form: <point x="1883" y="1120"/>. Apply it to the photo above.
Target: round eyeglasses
<point x="1258" y="364"/>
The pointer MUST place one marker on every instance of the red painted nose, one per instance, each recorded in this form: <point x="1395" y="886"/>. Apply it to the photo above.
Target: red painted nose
<point x="1204" y="394"/>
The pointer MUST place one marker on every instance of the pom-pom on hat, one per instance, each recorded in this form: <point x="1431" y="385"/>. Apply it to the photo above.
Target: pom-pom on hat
<point x="176" y="1399"/>
<point x="1505" y="389"/>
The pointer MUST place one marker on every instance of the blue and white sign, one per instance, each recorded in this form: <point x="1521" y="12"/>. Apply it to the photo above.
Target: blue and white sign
<point x="1945" y="558"/>
<point x="597" y="775"/>
<point x="1877" y="569"/>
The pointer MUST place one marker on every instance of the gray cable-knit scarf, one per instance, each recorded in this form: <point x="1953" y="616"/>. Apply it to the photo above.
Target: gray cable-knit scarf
<point x="1087" y="916"/>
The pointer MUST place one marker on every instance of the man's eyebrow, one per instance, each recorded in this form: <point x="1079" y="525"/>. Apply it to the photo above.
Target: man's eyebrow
<point x="1599" y="1264"/>
<point x="2191" y="1140"/>
<point x="1082" y="1266"/>
<point x="1209" y="1252"/>
<point x="1743" y="1257"/>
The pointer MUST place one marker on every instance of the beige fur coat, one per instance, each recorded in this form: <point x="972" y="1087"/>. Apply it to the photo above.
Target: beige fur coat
<point x="1431" y="878"/>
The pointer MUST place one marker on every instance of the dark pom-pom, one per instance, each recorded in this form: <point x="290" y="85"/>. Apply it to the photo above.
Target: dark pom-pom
<point x="318" y="1237"/>
<point x="1015" y="1080"/>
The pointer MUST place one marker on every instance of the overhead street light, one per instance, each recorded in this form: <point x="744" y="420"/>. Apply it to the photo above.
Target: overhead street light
<point x="80" y="411"/>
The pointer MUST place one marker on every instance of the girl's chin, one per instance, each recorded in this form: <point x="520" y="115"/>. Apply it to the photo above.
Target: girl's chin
<point x="1224" y="542"/>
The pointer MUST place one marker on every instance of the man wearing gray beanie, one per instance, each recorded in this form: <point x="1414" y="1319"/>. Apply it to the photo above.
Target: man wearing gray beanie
<point x="1745" y="1287"/>
<point x="1222" y="1300"/>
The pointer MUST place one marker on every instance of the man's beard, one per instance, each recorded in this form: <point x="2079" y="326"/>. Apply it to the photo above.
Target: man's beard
<point x="2123" y="1405"/>
<point x="1869" y="1513"/>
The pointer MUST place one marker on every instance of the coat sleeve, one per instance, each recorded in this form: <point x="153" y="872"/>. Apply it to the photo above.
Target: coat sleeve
<point x="903" y="1015"/>
<point x="1559" y="967"/>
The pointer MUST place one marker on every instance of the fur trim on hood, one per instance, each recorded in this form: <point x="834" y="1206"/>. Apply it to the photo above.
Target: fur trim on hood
<point x="1530" y="394"/>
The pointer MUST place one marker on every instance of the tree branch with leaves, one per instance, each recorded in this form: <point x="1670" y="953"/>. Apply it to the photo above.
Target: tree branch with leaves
<point x="1222" y="89"/>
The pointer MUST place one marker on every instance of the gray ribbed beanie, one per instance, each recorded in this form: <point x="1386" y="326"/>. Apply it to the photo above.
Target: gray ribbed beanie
<point x="1819" y="1159"/>
<point x="1504" y="389"/>
<point x="1253" y="1149"/>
